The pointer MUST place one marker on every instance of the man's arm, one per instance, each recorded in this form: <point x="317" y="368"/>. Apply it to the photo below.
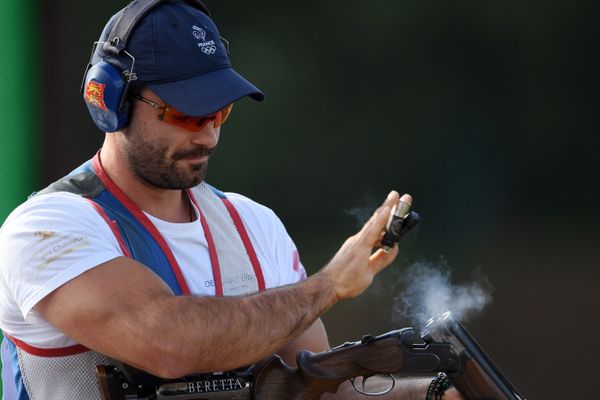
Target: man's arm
<point x="123" y="310"/>
<point x="314" y="339"/>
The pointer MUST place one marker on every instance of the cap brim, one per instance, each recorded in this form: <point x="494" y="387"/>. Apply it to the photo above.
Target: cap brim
<point x="207" y="93"/>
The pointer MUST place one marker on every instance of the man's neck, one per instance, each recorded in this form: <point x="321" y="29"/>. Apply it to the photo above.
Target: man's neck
<point x="167" y="205"/>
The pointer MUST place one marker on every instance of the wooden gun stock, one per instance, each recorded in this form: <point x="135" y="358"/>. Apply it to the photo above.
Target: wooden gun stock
<point x="317" y="373"/>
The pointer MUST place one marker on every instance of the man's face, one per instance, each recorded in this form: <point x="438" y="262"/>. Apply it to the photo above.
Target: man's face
<point x="164" y="155"/>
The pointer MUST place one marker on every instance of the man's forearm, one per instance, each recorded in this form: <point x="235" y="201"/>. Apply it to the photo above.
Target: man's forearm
<point x="228" y="332"/>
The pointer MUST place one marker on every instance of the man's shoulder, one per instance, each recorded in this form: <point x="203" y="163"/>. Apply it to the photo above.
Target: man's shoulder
<point x="245" y="201"/>
<point x="46" y="205"/>
<point x="273" y="243"/>
<point x="245" y="205"/>
<point x="255" y="214"/>
<point x="81" y="181"/>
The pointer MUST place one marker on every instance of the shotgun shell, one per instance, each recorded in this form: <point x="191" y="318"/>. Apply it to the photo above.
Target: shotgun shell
<point x="390" y="238"/>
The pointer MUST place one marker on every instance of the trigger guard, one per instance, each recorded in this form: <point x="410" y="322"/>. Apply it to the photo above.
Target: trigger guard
<point x="364" y="391"/>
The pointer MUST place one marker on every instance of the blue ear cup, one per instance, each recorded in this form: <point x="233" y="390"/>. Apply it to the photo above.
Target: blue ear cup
<point x="103" y="92"/>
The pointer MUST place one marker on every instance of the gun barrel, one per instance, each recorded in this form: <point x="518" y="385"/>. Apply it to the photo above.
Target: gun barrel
<point x="480" y="377"/>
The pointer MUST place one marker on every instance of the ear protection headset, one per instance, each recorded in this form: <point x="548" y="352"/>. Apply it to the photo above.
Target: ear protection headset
<point x="105" y="87"/>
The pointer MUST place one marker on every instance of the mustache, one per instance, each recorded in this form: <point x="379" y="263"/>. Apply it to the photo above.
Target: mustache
<point x="199" y="151"/>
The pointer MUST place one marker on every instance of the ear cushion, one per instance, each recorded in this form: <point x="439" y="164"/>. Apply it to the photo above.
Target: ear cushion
<point x="103" y="90"/>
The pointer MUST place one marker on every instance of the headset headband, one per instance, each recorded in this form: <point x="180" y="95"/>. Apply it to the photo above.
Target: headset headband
<point x="135" y="11"/>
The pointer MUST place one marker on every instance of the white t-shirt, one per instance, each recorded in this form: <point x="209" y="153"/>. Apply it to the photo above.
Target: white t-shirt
<point x="53" y="238"/>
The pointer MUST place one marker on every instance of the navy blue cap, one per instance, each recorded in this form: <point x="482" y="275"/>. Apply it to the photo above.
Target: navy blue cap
<point x="179" y="55"/>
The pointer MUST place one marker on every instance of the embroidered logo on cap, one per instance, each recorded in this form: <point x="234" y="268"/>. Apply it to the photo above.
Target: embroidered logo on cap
<point x="199" y="33"/>
<point x="94" y="94"/>
<point x="207" y="47"/>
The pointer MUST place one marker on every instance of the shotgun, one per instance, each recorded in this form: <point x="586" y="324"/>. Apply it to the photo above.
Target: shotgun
<point x="443" y="346"/>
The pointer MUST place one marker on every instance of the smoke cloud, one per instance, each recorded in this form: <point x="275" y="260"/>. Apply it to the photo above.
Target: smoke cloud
<point x="428" y="287"/>
<point x="429" y="292"/>
<point x="362" y="212"/>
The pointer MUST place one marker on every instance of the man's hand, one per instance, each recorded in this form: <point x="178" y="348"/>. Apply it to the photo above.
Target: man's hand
<point x="452" y="394"/>
<point x="355" y="264"/>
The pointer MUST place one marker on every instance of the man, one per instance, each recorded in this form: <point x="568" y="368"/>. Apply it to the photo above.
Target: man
<point x="133" y="259"/>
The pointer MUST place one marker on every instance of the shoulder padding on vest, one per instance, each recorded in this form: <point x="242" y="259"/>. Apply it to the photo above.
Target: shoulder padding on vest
<point x="85" y="184"/>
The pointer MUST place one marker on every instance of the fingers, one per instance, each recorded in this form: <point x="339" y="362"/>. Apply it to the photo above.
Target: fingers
<point x="407" y="198"/>
<point x="380" y="259"/>
<point x="354" y="265"/>
<point x="372" y="229"/>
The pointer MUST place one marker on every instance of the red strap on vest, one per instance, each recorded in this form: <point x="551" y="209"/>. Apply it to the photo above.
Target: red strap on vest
<point x="57" y="352"/>
<point x="239" y="225"/>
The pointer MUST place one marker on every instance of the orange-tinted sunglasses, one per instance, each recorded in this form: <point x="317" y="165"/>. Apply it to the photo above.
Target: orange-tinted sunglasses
<point x="191" y="123"/>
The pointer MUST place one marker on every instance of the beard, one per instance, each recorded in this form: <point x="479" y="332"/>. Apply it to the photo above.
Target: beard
<point x="149" y="161"/>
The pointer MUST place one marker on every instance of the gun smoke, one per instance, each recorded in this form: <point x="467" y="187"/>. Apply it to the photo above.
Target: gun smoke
<point x="363" y="212"/>
<point x="429" y="292"/>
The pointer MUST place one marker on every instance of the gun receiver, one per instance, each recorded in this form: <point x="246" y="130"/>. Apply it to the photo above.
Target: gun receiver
<point x="479" y="377"/>
<point x="118" y="385"/>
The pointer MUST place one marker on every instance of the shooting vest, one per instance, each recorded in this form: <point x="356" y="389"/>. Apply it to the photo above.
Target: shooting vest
<point x="31" y="373"/>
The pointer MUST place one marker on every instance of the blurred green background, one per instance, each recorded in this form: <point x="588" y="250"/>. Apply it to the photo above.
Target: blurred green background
<point x="19" y="104"/>
<point x="486" y="112"/>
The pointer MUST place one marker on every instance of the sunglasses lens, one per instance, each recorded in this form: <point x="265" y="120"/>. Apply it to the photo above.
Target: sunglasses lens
<point x="174" y="117"/>
<point x="195" y="124"/>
